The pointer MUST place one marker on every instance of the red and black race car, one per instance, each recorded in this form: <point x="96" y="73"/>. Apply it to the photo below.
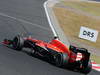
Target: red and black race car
<point x="55" y="51"/>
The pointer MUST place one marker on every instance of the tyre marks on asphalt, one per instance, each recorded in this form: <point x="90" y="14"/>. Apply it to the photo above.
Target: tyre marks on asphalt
<point x="24" y="21"/>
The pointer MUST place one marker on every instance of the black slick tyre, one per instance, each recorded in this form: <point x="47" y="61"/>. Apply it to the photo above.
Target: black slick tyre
<point x="61" y="59"/>
<point x="18" y="43"/>
<point x="87" y="69"/>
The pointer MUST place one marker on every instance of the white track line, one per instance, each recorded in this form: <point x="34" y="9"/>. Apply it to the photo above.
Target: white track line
<point x="48" y="17"/>
<point x="24" y="21"/>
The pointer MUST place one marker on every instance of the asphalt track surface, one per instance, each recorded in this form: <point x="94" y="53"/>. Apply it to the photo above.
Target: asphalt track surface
<point x="26" y="17"/>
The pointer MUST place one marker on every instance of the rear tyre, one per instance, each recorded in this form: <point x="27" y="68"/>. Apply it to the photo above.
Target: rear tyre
<point x="61" y="59"/>
<point x="87" y="69"/>
<point x="18" y="43"/>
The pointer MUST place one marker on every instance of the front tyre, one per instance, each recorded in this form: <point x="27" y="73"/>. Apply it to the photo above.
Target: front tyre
<point x="18" y="43"/>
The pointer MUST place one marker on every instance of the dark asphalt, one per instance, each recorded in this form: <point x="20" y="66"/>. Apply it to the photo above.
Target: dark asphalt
<point x="27" y="17"/>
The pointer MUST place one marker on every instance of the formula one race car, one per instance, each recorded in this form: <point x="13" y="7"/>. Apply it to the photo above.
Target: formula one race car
<point x="55" y="51"/>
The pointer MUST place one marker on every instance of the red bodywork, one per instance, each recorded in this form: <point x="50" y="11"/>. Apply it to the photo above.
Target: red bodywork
<point x="57" y="46"/>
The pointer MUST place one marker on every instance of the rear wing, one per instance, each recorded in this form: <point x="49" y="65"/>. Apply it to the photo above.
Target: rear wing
<point x="85" y="54"/>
